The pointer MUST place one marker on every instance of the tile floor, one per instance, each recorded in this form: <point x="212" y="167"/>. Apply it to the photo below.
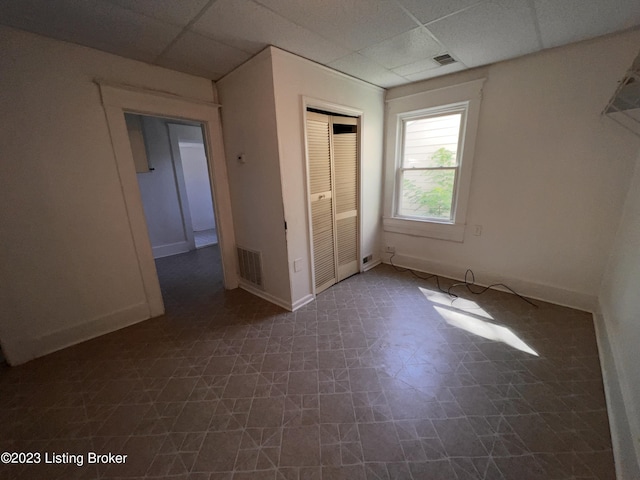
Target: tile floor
<point x="368" y="382"/>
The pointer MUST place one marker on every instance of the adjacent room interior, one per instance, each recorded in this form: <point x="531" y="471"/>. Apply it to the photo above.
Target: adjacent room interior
<point x="173" y="177"/>
<point x="253" y="239"/>
<point x="172" y="170"/>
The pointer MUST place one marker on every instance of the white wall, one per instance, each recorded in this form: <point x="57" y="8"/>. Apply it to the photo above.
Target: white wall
<point x="249" y="128"/>
<point x="549" y="174"/>
<point x="620" y="306"/>
<point x="295" y="77"/>
<point x="168" y="228"/>
<point x="196" y="179"/>
<point x="69" y="269"/>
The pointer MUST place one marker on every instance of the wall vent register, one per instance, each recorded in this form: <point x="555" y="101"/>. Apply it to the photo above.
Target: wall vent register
<point x="250" y="266"/>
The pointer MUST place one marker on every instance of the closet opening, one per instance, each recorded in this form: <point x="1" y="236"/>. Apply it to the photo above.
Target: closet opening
<point x="333" y="179"/>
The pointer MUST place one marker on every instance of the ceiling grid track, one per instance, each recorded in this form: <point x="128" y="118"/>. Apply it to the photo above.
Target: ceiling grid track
<point x="536" y="23"/>
<point x="381" y="42"/>
<point x="184" y="30"/>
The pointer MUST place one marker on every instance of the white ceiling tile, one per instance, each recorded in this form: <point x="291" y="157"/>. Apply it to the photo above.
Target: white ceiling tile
<point x="394" y="48"/>
<point x="435" y="9"/>
<point x="569" y="21"/>
<point x="251" y="27"/>
<point x="204" y="54"/>
<point x="489" y="32"/>
<point x="354" y="24"/>
<point x="408" y="47"/>
<point x="92" y="23"/>
<point x="172" y="11"/>
<point x="416" y="67"/>
<point x="435" y="72"/>
<point x="365" y="69"/>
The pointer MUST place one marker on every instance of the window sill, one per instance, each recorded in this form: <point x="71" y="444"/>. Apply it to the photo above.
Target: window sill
<point x="422" y="228"/>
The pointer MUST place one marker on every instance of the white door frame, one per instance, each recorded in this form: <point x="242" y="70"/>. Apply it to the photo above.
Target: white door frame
<point x="117" y="100"/>
<point x="309" y="102"/>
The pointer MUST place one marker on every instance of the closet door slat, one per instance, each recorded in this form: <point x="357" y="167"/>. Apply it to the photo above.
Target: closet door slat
<point x="323" y="246"/>
<point x="319" y="156"/>
<point x="321" y="199"/>
<point x="345" y="157"/>
<point x="346" y="170"/>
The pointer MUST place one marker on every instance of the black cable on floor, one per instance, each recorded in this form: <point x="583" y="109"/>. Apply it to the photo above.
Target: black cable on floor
<point x="415" y="274"/>
<point x="468" y="284"/>
<point x="471" y="283"/>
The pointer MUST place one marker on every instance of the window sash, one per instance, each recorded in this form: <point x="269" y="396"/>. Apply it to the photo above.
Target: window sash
<point x="429" y="218"/>
<point x="401" y="169"/>
<point x="416" y="169"/>
<point x="431" y="115"/>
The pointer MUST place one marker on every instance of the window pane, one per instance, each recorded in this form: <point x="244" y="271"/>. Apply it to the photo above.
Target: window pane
<point x="432" y="141"/>
<point x="427" y="193"/>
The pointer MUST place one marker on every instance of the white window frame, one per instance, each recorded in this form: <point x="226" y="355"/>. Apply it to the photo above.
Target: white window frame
<point x="400" y="168"/>
<point x="465" y="96"/>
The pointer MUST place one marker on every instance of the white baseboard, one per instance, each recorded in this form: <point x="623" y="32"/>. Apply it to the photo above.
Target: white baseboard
<point x="265" y="296"/>
<point x="22" y="350"/>
<point x="368" y="266"/>
<point x="303" y="301"/>
<point x="537" y="291"/>
<point x="170" y="249"/>
<point x="626" y="451"/>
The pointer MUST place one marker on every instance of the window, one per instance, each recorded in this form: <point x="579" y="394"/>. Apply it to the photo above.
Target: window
<point x="430" y="146"/>
<point x="429" y="163"/>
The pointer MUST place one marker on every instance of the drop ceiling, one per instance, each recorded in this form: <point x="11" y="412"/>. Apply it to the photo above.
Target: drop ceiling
<point x="384" y="42"/>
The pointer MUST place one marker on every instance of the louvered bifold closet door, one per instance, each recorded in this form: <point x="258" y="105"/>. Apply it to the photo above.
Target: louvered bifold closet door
<point x="345" y="158"/>
<point x="321" y="198"/>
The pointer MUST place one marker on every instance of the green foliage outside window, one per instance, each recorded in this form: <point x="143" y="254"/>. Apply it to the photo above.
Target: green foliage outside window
<point x="430" y="192"/>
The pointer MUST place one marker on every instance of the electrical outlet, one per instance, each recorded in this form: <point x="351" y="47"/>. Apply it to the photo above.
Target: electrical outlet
<point x="367" y="259"/>
<point x="390" y="249"/>
<point x="297" y="265"/>
<point x="477" y="230"/>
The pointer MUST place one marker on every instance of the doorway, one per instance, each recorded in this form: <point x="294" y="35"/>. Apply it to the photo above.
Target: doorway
<point x="173" y="178"/>
<point x="177" y="199"/>
<point x="174" y="182"/>
<point x="188" y="150"/>
<point x="120" y="99"/>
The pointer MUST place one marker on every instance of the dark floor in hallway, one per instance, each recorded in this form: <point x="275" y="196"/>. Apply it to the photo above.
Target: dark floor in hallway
<point x="376" y="379"/>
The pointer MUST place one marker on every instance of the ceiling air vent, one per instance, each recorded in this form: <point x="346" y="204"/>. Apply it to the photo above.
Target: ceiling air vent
<point x="445" y="59"/>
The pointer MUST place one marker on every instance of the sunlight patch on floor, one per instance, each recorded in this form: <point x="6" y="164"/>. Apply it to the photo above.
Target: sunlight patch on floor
<point x="460" y="303"/>
<point x="484" y="329"/>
